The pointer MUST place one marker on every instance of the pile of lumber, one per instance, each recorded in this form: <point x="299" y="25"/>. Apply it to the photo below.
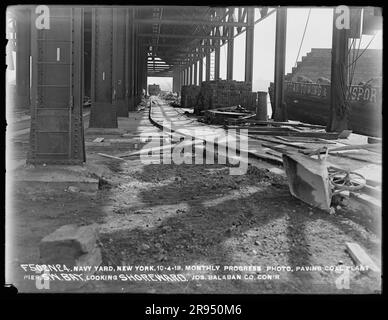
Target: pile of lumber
<point x="225" y="93"/>
<point x="189" y="96"/>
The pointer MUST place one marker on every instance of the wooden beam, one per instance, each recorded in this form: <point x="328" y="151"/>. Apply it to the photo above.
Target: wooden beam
<point x="190" y="22"/>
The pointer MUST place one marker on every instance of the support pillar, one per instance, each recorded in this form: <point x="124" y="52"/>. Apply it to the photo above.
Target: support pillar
<point x="195" y="73"/>
<point x="191" y="74"/>
<point x="103" y="112"/>
<point x="217" y="56"/>
<point x="132" y="105"/>
<point x="23" y="44"/>
<point x="207" y="67"/>
<point x="200" y="71"/>
<point x="229" y="61"/>
<point x="56" y="134"/>
<point x="339" y="107"/>
<point x="280" y="112"/>
<point x="249" y="45"/>
<point x="119" y="66"/>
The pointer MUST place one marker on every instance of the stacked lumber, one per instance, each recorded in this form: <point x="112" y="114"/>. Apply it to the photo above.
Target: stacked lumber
<point x="189" y="96"/>
<point x="225" y="93"/>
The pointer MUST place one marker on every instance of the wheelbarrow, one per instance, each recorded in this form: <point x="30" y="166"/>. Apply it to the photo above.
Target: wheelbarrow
<point x="314" y="182"/>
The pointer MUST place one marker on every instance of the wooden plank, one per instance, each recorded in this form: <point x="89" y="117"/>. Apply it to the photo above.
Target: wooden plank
<point x="322" y="135"/>
<point x="360" y="257"/>
<point x="99" y="139"/>
<point x="281" y="123"/>
<point x="377" y="148"/>
<point x="371" y="191"/>
<point x="304" y="140"/>
<point x="371" y="202"/>
<point x="109" y="156"/>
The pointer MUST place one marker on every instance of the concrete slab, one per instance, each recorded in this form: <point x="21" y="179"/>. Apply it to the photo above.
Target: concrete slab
<point x="105" y="131"/>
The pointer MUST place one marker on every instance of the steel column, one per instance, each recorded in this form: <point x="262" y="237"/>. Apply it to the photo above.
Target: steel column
<point x="56" y="134"/>
<point x="103" y="112"/>
<point x="196" y="72"/>
<point x="207" y="67"/>
<point x="119" y="66"/>
<point x="280" y="112"/>
<point x="249" y="45"/>
<point x="191" y="74"/>
<point x="200" y="71"/>
<point x="217" y="52"/>
<point x="23" y="44"/>
<point x="132" y="106"/>
<point x="339" y="108"/>
<point x="229" y="62"/>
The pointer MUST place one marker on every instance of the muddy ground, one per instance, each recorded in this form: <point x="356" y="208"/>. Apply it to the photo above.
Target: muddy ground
<point x="183" y="215"/>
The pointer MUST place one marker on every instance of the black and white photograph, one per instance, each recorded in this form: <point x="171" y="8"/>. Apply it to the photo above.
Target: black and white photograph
<point x="174" y="149"/>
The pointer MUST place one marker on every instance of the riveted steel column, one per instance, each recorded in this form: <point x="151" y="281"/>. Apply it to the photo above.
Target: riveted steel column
<point x="132" y="105"/>
<point x="56" y="134"/>
<point x="200" y="71"/>
<point x="23" y="45"/>
<point x="127" y="70"/>
<point x="119" y="66"/>
<point x="103" y="112"/>
<point x="217" y="56"/>
<point x="196" y="72"/>
<point x="229" y="61"/>
<point x="280" y="62"/>
<point x="249" y="44"/>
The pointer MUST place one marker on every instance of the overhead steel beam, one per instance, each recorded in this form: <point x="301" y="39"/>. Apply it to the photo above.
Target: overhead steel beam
<point x="181" y="36"/>
<point x="177" y="45"/>
<point x="190" y="22"/>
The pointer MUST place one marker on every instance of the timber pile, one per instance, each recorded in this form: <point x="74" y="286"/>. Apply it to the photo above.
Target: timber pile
<point x="189" y="96"/>
<point x="225" y="93"/>
<point x="223" y="115"/>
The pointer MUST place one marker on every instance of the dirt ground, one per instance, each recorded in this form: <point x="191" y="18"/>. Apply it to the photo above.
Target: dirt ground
<point x="184" y="215"/>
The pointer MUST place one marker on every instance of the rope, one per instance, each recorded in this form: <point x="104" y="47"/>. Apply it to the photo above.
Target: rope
<point x="304" y="32"/>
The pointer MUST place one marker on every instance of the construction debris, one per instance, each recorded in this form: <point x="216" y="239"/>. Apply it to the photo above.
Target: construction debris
<point x="308" y="180"/>
<point x="99" y="140"/>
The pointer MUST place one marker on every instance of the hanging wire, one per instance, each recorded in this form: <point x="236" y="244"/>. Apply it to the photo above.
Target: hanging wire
<point x="304" y="33"/>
